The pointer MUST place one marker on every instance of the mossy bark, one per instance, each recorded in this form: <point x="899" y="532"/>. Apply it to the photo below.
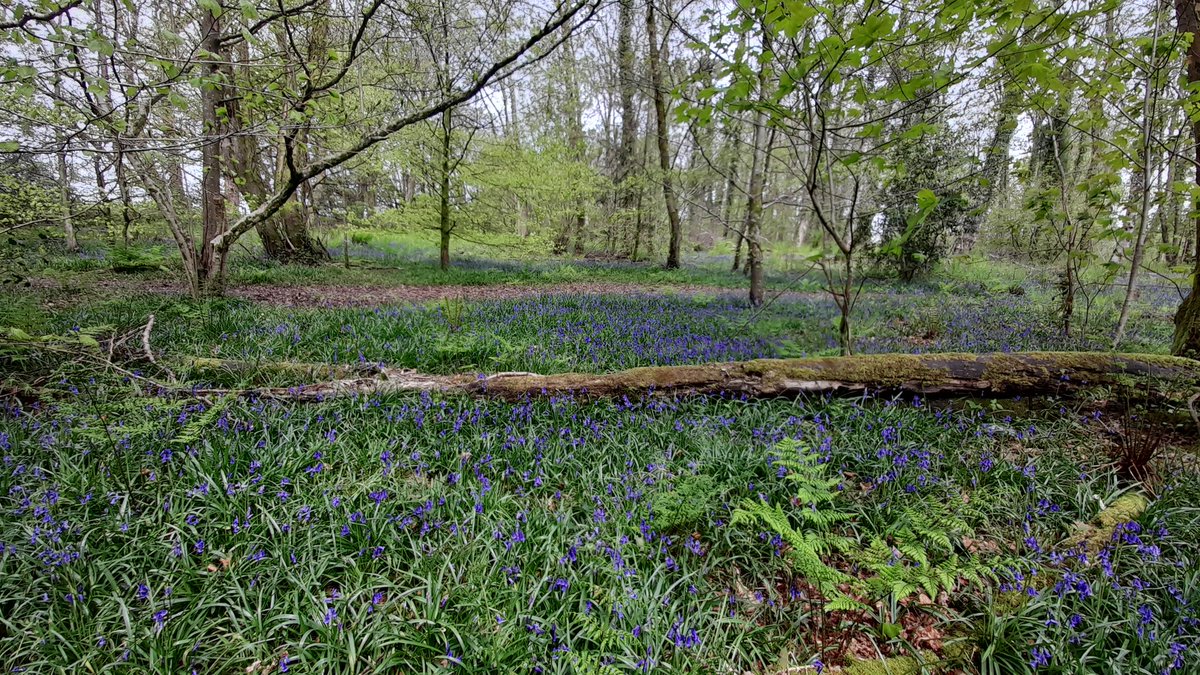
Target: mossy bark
<point x="992" y="375"/>
<point x="259" y="371"/>
<point x="1187" y="319"/>
<point x="1099" y="533"/>
<point x="1187" y="325"/>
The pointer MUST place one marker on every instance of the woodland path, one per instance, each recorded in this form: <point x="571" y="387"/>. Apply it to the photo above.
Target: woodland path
<point x="318" y="296"/>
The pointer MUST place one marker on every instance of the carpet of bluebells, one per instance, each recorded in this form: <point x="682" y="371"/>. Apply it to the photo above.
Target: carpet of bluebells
<point x="415" y="533"/>
<point x="421" y="534"/>
<point x="557" y="333"/>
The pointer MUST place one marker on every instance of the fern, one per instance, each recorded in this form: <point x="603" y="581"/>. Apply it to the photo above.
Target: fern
<point x="813" y="539"/>
<point x="192" y="431"/>
<point x="904" y="572"/>
<point x="915" y="553"/>
<point x="141" y="418"/>
<point x="603" y="639"/>
<point x="591" y="663"/>
<point x="683" y="508"/>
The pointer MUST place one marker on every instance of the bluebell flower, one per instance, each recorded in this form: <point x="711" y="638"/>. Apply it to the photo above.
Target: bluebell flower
<point x="1039" y="658"/>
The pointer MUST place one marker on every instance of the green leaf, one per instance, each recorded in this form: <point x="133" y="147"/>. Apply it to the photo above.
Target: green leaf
<point x="211" y="6"/>
<point x="926" y="199"/>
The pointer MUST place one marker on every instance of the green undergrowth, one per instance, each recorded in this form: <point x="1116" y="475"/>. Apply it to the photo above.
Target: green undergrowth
<point x="544" y="333"/>
<point x="420" y="533"/>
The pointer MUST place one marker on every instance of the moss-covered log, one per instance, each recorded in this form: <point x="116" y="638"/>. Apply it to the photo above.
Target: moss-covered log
<point x="257" y="371"/>
<point x="991" y="375"/>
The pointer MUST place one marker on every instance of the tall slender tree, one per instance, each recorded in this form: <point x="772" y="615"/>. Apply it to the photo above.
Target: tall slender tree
<point x="658" y="56"/>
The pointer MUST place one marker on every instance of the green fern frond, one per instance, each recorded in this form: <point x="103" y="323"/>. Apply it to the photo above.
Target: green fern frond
<point x="195" y="428"/>
<point x="844" y="603"/>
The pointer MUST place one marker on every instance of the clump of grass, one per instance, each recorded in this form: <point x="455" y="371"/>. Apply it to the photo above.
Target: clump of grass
<point x="1136" y="437"/>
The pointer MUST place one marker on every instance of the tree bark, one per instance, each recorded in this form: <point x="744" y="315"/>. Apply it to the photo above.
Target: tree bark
<point x="64" y="194"/>
<point x="737" y="250"/>
<point x="733" y="152"/>
<point x="989" y="375"/>
<point x="577" y="141"/>
<point x="64" y="187"/>
<point x="444" y="224"/>
<point x="627" y="195"/>
<point x="995" y="164"/>
<point x="754" y="203"/>
<point x="122" y="189"/>
<point x="1168" y="214"/>
<point x="285" y="237"/>
<point x="1187" y="319"/>
<point x="1140" y="189"/>
<point x="657" y="57"/>
<point x="209" y="270"/>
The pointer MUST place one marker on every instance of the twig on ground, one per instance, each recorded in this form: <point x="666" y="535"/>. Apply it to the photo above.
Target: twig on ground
<point x="150" y="353"/>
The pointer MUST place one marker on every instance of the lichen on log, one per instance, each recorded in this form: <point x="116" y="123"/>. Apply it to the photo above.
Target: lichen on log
<point x="952" y="374"/>
<point x="1099" y="533"/>
<point x="257" y="370"/>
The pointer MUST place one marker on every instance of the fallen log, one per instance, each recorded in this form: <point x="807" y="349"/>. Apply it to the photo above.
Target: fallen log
<point x="994" y="375"/>
<point x="201" y="367"/>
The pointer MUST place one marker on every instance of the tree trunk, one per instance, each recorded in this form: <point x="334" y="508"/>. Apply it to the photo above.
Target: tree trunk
<point x="738" y="233"/>
<point x="657" y="58"/>
<point x="754" y="206"/>
<point x="733" y="152"/>
<point x="995" y="165"/>
<point x="737" y="250"/>
<point x="639" y="216"/>
<point x="1168" y="213"/>
<point x="641" y="222"/>
<point x="292" y="225"/>
<point x="702" y="208"/>
<point x="578" y="143"/>
<point x="210" y="267"/>
<point x="444" y="225"/>
<point x="1067" y="287"/>
<point x="627" y="194"/>
<point x="102" y="189"/>
<point x="64" y="186"/>
<point x="513" y="131"/>
<point x="285" y="237"/>
<point x="1144" y="169"/>
<point x="580" y="230"/>
<point x="64" y="194"/>
<point x="122" y="189"/>
<point x="987" y="375"/>
<point x="1187" y="319"/>
<point x="1139" y="252"/>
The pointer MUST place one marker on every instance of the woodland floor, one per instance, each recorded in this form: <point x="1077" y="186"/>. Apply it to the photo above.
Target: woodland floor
<point x="142" y="531"/>
<point x="319" y="296"/>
